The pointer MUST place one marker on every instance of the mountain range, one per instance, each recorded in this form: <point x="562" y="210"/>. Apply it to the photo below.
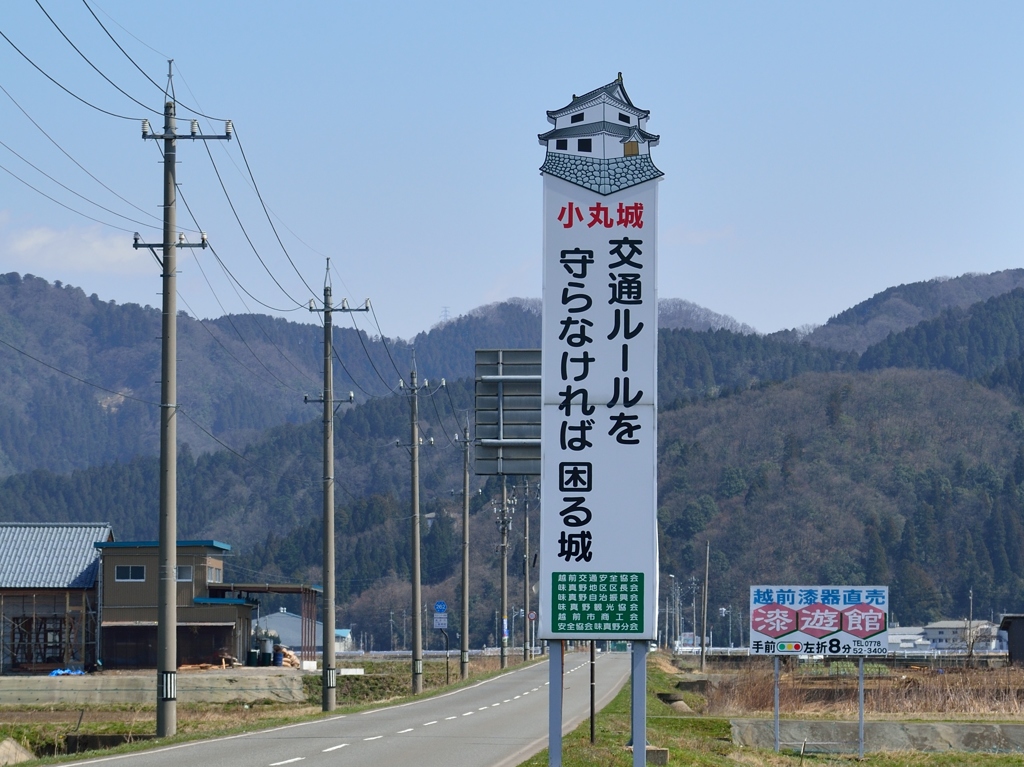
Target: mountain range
<point x="884" y="446"/>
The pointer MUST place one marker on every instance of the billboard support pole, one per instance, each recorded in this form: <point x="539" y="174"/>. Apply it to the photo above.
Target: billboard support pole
<point x="860" y="705"/>
<point x="776" y="704"/>
<point x="638" y="707"/>
<point x="555" y="664"/>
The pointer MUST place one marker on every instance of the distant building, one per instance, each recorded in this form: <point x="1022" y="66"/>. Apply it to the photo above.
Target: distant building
<point x="209" y="627"/>
<point x="288" y="626"/>
<point x="1013" y="626"/>
<point x="49" y="595"/>
<point x="908" y="639"/>
<point x="959" y="636"/>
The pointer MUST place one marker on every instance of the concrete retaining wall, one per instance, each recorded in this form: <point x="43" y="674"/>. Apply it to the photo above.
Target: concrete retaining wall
<point x="192" y="688"/>
<point x="881" y="736"/>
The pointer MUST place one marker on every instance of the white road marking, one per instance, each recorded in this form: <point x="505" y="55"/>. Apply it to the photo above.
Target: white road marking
<point x="427" y="724"/>
<point x="517" y="697"/>
<point x="535" y="689"/>
<point x="507" y="700"/>
<point x="526" y="693"/>
<point x="375" y="737"/>
<point x="450" y="717"/>
<point x="288" y="761"/>
<point x="482" y="708"/>
<point x="402" y="732"/>
<point x="335" y="748"/>
<point x="469" y="713"/>
<point x="495" y="704"/>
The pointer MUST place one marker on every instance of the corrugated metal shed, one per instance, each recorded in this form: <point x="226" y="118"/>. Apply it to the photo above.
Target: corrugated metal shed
<point x="50" y="555"/>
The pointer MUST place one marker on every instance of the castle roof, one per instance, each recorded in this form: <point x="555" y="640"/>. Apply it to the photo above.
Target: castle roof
<point x="614" y="92"/>
<point x="594" y="128"/>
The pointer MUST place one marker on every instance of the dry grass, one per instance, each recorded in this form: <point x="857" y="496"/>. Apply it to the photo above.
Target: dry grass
<point x="902" y="693"/>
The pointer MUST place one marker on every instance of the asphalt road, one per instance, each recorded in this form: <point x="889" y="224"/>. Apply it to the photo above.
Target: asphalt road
<point x="496" y="723"/>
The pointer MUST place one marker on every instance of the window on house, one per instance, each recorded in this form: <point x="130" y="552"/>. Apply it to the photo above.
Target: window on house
<point x="576" y="118"/>
<point x="562" y="143"/>
<point x="623" y="118"/>
<point x="214" y="575"/>
<point x="184" y="573"/>
<point x="136" y="573"/>
<point x="631" y="148"/>
<point x="584" y="145"/>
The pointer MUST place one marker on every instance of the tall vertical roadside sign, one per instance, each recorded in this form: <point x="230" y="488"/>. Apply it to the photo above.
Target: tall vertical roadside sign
<point x="599" y="535"/>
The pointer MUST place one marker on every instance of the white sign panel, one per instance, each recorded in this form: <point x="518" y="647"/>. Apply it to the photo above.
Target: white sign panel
<point x="599" y="536"/>
<point x="440" y="620"/>
<point x="819" y="620"/>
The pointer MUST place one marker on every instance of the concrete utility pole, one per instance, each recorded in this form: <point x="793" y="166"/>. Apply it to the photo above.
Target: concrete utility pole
<point x="504" y="521"/>
<point x="167" y="608"/>
<point x="330" y="679"/>
<point x="527" y="646"/>
<point x="704" y="609"/>
<point x="417" y="630"/>
<point x="464" y="657"/>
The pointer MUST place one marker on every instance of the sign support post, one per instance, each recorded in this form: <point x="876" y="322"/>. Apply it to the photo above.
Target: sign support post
<point x="776" y="718"/>
<point x="860" y="706"/>
<point x="555" y="664"/>
<point x="638" y="704"/>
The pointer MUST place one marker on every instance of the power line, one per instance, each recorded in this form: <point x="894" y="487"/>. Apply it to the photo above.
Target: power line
<point x="384" y="340"/>
<point x="97" y="69"/>
<point x="266" y="212"/>
<point x="230" y="321"/>
<point x="67" y="207"/>
<point x="66" y="188"/>
<point x="231" y="204"/>
<point x="66" y="90"/>
<point x="76" y="378"/>
<point x="359" y="335"/>
<point x="137" y="39"/>
<point x="230" y="353"/>
<point x="144" y="73"/>
<point x="66" y="154"/>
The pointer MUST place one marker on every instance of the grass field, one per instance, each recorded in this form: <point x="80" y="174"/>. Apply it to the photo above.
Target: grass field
<point x="695" y="727"/>
<point x="702" y="736"/>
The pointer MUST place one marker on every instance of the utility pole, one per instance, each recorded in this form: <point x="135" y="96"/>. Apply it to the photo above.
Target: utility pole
<point x="330" y="679"/>
<point x="527" y="645"/>
<point x="417" y="615"/>
<point x="464" y="656"/>
<point x="693" y="605"/>
<point x="704" y="609"/>
<point x="167" y="607"/>
<point x="504" y="522"/>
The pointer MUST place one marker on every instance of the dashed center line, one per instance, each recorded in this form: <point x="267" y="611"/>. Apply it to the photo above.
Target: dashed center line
<point x="335" y="748"/>
<point x="402" y="732"/>
<point x="427" y="724"/>
<point x="495" y="704"/>
<point x="469" y="713"/>
<point x="507" y="700"/>
<point x="517" y="697"/>
<point x="375" y="737"/>
<point x="288" y="761"/>
<point x="450" y="717"/>
<point x="482" y="708"/>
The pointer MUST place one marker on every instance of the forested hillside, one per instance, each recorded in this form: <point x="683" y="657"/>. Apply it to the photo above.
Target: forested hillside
<point x="906" y="477"/>
<point x="904" y="306"/>
<point x="798" y="462"/>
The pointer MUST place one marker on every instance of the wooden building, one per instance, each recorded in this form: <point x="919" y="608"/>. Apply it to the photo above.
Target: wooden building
<point x="49" y="599"/>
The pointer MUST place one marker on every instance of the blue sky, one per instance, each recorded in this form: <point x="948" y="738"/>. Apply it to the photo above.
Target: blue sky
<point x="814" y="153"/>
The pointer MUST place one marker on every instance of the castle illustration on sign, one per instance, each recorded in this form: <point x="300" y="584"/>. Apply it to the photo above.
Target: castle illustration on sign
<point x="599" y="141"/>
